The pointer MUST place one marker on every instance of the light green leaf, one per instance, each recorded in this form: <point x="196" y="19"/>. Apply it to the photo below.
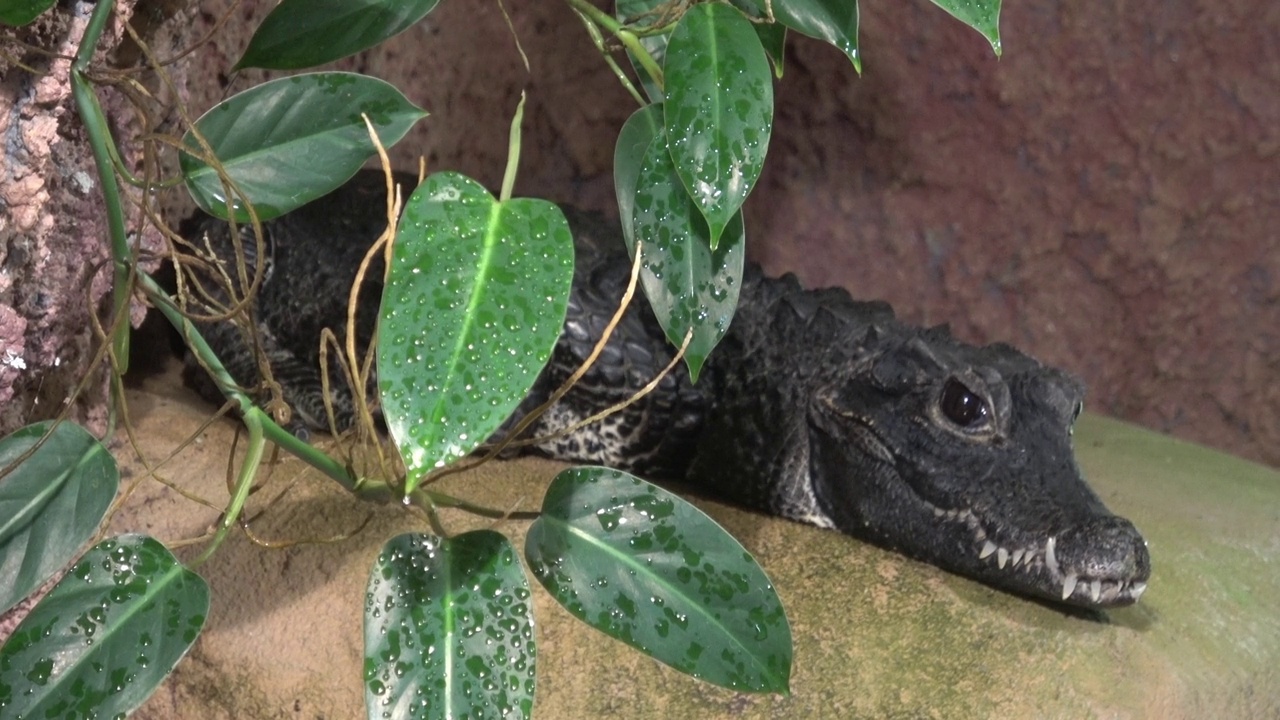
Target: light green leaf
<point x="107" y="635"/>
<point x="448" y="630"/>
<point x="644" y="566"/>
<point x="473" y="306"/>
<point x="305" y="33"/>
<point x="292" y="140"/>
<point x="718" y="111"/>
<point x="635" y="138"/>
<point x="688" y="284"/>
<point x="50" y="503"/>
<point x="981" y="15"/>
<point x="22" y="12"/>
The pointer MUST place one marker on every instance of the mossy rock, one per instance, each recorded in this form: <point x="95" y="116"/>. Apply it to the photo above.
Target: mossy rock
<point x="876" y="635"/>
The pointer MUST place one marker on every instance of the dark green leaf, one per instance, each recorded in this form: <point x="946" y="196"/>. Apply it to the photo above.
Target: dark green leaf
<point x="448" y="630"/>
<point x="473" y="306"/>
<point x="719" y="109"/>
<point x="22" y="12"/>
<point x="688" y="284"/>
<point x="646" y="567"/>
<point x="292" y="140"/>
<point x="641" y="14"/>
<point x="635" y="138"/>
<point x="305" y="33"/>
<point x="981" y="15"/>
<point x="50" y="503"/>
<point x="773" y="37"/>
<point x="103" y="640"/>
<point x="832" y="21"/>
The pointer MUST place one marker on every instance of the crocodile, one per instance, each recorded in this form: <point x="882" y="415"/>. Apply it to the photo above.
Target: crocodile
<point x="815" y="407"/>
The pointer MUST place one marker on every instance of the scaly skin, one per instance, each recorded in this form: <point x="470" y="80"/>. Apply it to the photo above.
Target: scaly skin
<point x="815" y="408"/>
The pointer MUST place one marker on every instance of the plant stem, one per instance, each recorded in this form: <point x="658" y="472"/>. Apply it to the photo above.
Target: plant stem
<point x="440" y="499"/>
<point x="92" y="33"/>
<point x="244" y="483"/>
<point x="628" y="39"/>
<point x="594" y="31"/>
<point x="101" y="142"/>
<point x="273" y="432"/>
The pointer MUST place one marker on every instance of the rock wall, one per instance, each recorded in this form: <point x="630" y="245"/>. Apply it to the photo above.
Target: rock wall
<point x="54" y="253"/>
<point x="1105" y="195"/>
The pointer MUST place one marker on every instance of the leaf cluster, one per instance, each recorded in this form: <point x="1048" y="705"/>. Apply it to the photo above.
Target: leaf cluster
<point x="449" y="626"/>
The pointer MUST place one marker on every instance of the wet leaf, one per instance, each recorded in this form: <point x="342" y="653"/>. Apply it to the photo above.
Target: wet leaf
<point x="22" y="12"/>
<point x="773" y="38"/>
<point x="646" y="567"/>
<point x="718" y="110"/>
<point x="640" y="12"/>
<point x="981" y="15"/>
<point x="50" y="503"/>
<point x="688" y="284"/>
<point x="448" y="630"/>
<point x="103" y="640"/>
<point x="474" y="303"/>
<point x="635" y="138"/>
<point x="292" y="140"/>
<point x="832" y="21"/>
<point x="305" y="33"/>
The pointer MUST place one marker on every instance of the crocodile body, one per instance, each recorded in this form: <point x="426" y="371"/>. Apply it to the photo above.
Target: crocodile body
<point x="815" y="407"/>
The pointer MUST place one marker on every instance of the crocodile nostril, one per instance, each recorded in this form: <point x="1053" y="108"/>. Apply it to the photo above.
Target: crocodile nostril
<point x="1105" y="548"/>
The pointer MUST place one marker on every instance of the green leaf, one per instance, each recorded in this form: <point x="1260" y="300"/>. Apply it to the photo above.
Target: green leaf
<point x="773" y="37"/>
<point x="642" y="565"/>
<point x="635" y="138"/>
<point x="22" y="12"/>
<point x="638" y="12"/>
<point x="474" y="303"/>
<point x="448" y="630"/>
<point x="50" y="503"/>
<point x="832" y="21"/>
<point x="305" y="33"/>
<point x="107" y="635"/>
<point x="719" y="109"/>
<point x="688" y="284"/>
<point x="292" y="140"/>
<point x="981" y="15"/>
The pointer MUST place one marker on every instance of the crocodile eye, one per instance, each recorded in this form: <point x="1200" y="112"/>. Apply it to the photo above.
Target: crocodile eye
<point x="962" y="406"/>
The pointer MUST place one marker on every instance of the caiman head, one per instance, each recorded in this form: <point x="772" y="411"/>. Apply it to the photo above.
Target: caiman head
<point x="962" y="457"/>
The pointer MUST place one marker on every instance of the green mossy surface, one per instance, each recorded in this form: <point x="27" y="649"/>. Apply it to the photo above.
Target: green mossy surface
<point x="876" y="635"/>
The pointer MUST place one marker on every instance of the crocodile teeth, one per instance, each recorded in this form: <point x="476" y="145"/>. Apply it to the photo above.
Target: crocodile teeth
<point x="1051" y="561"/>
<point x="1002" y="557"/>
<point x="1017" y="557"/>
<point x="1069" y="586"/>
<point x="987" y="549"/>
<point x="1095" y="590"/>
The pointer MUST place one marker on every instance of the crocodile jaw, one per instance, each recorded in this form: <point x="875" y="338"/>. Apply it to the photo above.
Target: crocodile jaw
<point x="1066" y="548"/>
<point x="1104" y="565"/>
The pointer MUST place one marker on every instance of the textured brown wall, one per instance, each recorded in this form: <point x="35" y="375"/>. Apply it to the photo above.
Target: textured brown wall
<point x="1105" y="195"/>
<point x="54" y="260"/>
